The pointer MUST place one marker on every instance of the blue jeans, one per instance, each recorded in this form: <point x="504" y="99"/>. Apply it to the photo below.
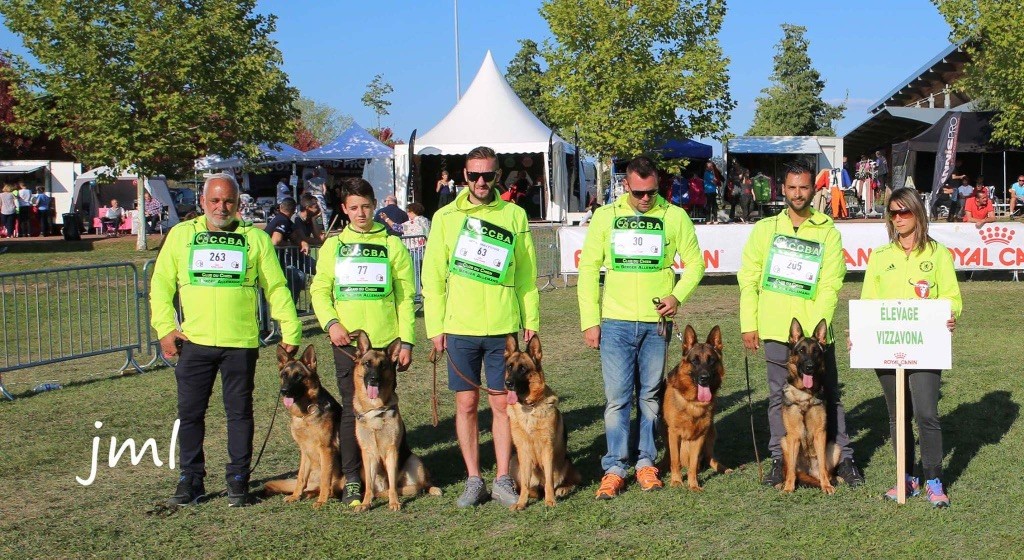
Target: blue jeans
<point x="631" y="353"/>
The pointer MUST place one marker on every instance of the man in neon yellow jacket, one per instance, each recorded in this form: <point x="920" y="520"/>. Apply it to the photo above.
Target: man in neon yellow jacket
<point x="636" y="239"/>
<point x="793" y="267"/>
<point x="479" y="284"/>
<point x="216" y="263"/>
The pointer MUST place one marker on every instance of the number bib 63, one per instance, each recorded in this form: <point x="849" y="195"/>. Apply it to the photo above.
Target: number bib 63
<point x="483" y="252"/>
<point x="361" y="271"/>
<point x="638" y="244"/>
<point x="218" y="259"/>
<point x="793" y="267"/>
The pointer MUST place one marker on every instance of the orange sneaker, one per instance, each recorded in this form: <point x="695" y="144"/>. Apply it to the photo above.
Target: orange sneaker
<point x="611" y="486"/>
<point x="648" y="478"/>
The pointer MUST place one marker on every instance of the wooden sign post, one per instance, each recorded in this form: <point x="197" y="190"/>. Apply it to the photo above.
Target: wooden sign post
<point x="897" y="334"/>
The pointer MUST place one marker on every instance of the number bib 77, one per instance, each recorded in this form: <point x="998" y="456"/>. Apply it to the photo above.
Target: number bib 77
<point x="638" y="244"/>
<point x="483" y="252"/>
<point x="361" y="271"/>
<point x="218" y="259"/>
<point x="793" y="267"/>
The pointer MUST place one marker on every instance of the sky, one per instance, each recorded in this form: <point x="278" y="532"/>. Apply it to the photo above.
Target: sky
<point x="333" y="49"/>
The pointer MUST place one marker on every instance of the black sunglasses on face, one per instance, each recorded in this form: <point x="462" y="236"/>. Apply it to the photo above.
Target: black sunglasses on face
<point x="902" y="212"/>
<point x="644" y="194"/>
<point x="488" y="176"/>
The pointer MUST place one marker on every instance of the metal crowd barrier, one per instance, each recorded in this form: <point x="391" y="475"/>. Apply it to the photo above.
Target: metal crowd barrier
<point x="59" y="314"/>
<point x="545" y="242"/>
<point x="416" y="244"/>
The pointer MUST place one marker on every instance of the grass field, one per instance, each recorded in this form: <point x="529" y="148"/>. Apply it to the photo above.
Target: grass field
<point x="48" y="437"/>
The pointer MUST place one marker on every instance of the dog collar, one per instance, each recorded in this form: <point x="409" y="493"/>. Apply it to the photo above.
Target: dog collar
<point x="374" y="413"/>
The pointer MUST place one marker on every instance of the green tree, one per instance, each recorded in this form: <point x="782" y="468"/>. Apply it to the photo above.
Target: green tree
<point x="375" y="97"/>
<point x="792" y="105"/>
<point x="153" y="85"/>
<point x="324" y="122"/>
<point x="627" y="74"/>
<point x="991" y="34"/>
<point x="525" y="76"/>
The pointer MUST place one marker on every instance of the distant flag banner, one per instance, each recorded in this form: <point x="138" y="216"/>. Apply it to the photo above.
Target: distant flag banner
<point x="945" y="153"/>
<point x="410" y="183"/>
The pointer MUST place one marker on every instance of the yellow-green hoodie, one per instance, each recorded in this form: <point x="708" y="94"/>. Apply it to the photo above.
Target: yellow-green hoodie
<point x="385" y="319"/>
<point x="893" y="274"/>
<point x="453" y="304"/>
<point x="770" y="313"/>
<point x="628" y="295"/>
<point x="220" y="316"/>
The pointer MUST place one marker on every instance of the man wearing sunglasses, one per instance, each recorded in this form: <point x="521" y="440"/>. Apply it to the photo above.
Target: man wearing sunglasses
<point x="1017" y="197"/>
<point x="793" y="267"/>
<point x="479" y="284"/>
<point x="636" y="240"/>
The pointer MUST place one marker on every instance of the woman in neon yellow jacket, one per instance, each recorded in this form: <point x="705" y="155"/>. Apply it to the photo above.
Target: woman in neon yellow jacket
<point x="364" y="280"/>
<point x="914" y="266"/>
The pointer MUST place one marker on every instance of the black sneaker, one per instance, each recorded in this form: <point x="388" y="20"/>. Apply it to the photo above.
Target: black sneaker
<point x="190" y="489"/>
<point x="847" y="470"/>
<point x="353" y="494"/>
<point x="238" y="491"/>
<point x="775" y="476"/>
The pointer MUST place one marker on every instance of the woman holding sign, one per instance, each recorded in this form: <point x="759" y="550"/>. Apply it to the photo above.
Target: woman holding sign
<point x="913" y="265"/>
<point x="364" y="280"/>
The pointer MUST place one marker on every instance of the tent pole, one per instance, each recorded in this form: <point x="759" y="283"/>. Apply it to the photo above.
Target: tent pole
<point x="1004" y="175"/>
<point x="458" y="85"/>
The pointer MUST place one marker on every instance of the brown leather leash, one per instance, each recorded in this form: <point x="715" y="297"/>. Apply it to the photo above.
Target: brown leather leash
<point x="434" y="358"/>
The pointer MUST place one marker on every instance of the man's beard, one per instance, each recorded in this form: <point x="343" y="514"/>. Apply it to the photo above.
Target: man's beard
<point x="793" y="206"/>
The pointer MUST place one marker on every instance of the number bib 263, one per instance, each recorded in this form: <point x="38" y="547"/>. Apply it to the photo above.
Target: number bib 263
<point x="218" y="258"/>
<point x="793" y="267"/>
<point x="482" y="252"/>
<point x="638" y="244"/>
<point x="361" y="272"/>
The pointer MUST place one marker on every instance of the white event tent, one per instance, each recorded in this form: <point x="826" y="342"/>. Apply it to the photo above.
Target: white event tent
<point x="491" y="114"/>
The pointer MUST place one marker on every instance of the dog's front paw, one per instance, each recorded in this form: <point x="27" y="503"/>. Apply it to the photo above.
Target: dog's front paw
<point x="727" y="471"/>
<point x="292" y="498"/>
<point x="318" y="504"/>
<point x="789" y="487"/>
<point x="550" y="502"/>
<point x="395" y="506"/>
<point x="361" y="508"/>
<point x="676" y="482"/>
<point x="517" y="507"/>
<point x="696" y="488"/>
<point x="828" y="489"/>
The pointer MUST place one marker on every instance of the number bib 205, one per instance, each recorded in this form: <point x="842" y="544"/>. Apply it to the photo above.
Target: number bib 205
<point x="793" y="267"/>
<point x="361" y="271"/>
<point x="218" y="258"/>
<point x="638" y="244"/>
<point x="483" y="252"/>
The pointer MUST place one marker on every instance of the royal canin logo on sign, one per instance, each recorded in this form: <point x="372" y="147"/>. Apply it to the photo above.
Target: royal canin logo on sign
<point x="991" y="254"/>
<point x="899" y="359"/>
<point x="996" y="234"/>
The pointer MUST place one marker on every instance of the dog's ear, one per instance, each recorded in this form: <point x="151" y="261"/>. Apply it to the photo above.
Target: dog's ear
<point x="511" y="344"/>
<point x="534" y="348"/>
<point x="796" y="332"/>
<point x="715" y="339"/>
<point x="821" y="332"/>
<point x="284" y="356"/>
<point x="362" y="342"/>
<point x="393" y="349"/>
<point x="689" y="338"/>
<point x="309" y="357"/>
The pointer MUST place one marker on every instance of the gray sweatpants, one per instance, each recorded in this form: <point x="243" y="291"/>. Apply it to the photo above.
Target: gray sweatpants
<point x="777" y="354"/>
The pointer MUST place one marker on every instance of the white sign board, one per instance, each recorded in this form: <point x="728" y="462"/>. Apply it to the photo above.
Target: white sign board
<point x="900" y="333"/>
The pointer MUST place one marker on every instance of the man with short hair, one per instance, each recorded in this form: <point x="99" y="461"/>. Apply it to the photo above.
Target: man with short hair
<point x="979" y="209"/>
<point x="392" y="212"/>
<point x="964" y="192"/>
<point x="793" y="267"/>
<point x="214" y="263"/>
<point x="304" y="221"/>
<point x="285" y="240"/>
<point x="947" y="196"/>
<point x="479" y="277"/>
<point x="636" y="239"/>
<point x="1017" y="197"/>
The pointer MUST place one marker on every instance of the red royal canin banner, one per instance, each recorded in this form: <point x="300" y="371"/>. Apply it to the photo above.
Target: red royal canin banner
<point x="998" y="246"/>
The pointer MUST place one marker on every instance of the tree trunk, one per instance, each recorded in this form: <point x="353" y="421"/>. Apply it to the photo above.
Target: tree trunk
<point x="140" y="216"/>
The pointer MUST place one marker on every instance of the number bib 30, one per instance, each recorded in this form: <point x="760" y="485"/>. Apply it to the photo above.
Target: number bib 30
<point x="361" y="271"/>
<point x="218" y="258"/>
<point x="793" y="267"/>
<point x="638" y="244"/>
<point x="483" y="252"/>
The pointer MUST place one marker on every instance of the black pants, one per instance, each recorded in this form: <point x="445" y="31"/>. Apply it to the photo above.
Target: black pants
<point x="351" y="458"/>
<point x="195" y="373"/>
<point x="924" y="407"/>
<point x="9" y="220"/>
<point x="777" y="353"/>
<point x="25" y="222"/>
<point x="711" y="206"/>
<point x="45" y="224"/>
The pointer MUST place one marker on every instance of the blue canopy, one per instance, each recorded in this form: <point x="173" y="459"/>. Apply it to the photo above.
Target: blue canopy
<point x="354" y="143"/>
<point x="281" y="152"/>
<point x="271" y="154"/>
<point x="684" y="148"/>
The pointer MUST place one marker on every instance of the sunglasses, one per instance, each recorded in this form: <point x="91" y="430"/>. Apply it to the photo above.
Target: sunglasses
<point x="644" y="194"/>
<point x="474" y="176"/>
<point x="901" y="212"/>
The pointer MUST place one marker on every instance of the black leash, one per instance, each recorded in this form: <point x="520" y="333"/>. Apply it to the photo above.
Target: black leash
<point x="750" y="407"/>
<point x="277" y="405"/>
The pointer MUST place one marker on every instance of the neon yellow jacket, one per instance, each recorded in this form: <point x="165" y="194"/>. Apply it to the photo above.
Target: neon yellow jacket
<point x="384" y="320"/>
<point x="453" y="304"/>
<point x="220" y="316"/>
<point x="627" y="294"/>
<point x="770" y="313"/>
<point x="892" y="274"/>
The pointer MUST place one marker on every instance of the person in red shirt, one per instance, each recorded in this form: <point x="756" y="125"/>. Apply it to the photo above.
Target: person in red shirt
<point x="978" y="209"/>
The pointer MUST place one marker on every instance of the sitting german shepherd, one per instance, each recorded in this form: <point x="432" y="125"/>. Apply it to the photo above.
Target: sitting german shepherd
<point x="689" y="407"/>
<point x="380" y="430"/>
<point x="805" y="453"/>
<point x="315" y="421"/>
<point x="538" y="430"/>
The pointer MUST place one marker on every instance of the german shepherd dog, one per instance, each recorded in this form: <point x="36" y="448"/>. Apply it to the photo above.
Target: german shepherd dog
<point x="380" y="430"/>
<point x="689" y="407"/>
<point x="805" y="453"/>
<point x="538" y="430"/>
<point x="315" y="424"/>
